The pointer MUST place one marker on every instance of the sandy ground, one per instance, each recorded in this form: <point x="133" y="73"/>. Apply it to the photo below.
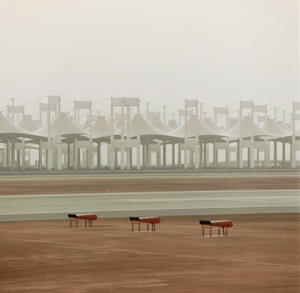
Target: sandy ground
<point x="41" y="186"/>
<point x="260" y="255"/>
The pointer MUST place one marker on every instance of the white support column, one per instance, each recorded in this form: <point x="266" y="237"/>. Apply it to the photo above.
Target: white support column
<point x="293" y="146"/>
<point x="196" y="148"/>
<point x="214" y="155"/>
<point x="240" y="145"/>
<point x="122" y="137"/>
<point x="227" y="154"/>
<point x="108" y="154"/>
<point x="179" y="154"/>
<point x="128" y="149"/>
<point x="75" y="164"/>
<point x="204" y="155"/>
<point x="98" y="155"/>
<point x="283" y="155"/>
<point x="275" y="154"/>
<point x="90" y="150"/>
<point x="252" y="140"/>
<point x="40" y="155"/>
<point x="191" y="158"/>
<point x="23" y="154"/>
<point x="173" y="155"/>
<point x="201" y="155"/>
<point x="147" y="155"/>
<point x="244" y="105"/>
<point x="4" y="158"/>
<point x="138" y="137"/>
<point x="125" y="145"/>
<point x="8" y="163"/>
<point x="29" y="156"/>
<point x="191" y="104"/>
<point x="227" y="142"/>
<point x="159" y="155"/>
<point x="1" y="158"/>
<point x="13" y="153"/>
<point x="164" y="154"/>
<point x="68" y="156"/>
<point x="291" y="155"/>
<point x="59" y="165"/>
<point x="266" y="147"/>
<point x="111" y="137"/>
<point x="185" y="138"/>
<point x="49" y="163"/>
<point x="207" y="154"/>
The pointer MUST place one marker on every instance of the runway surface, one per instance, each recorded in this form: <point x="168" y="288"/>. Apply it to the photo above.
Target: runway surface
<point x="114" y="205"/>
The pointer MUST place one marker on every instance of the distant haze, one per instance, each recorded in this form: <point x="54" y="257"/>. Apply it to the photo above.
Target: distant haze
<point x="161" y="51"/>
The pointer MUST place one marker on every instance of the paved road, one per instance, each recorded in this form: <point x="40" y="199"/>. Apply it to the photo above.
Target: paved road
<point x="57" y="206"/>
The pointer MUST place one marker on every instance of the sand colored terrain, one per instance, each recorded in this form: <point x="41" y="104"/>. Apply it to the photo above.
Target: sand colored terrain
<point x="41" y="186"/>
<point x="260" y="255"/>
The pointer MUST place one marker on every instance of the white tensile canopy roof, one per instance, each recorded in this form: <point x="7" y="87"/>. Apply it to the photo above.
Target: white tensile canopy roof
<point x="234" y="132"/>
<point x="157" y="123"/>
<point x="208" y="122"/>
<point x="288" y="137"/>
<point x="282" y="125"/>
<point x="289" y="126"/>
<point x="9" y="131"/>
<point x="172" y="124"/>
<point x="204" y="132"/>
<point x="118" y="124"/>
<point x="68" y="128"/>
<point x="28" y="123"/>
<point x="147" y="131"/>
<point x="231" y="123"/>
<point x="86" y="125"/>
<point x="101" y="127"/>
<point x="272" y="127"/>
<point x="297" y="134"/>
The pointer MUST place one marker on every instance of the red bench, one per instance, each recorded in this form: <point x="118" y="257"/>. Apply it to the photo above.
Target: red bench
<point x="148" y="220"/>
<point x="86" y="217"/>
<point x="224" y="224"/>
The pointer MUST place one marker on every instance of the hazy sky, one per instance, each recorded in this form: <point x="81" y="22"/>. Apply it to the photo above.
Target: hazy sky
<point x="216" y="51"/>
